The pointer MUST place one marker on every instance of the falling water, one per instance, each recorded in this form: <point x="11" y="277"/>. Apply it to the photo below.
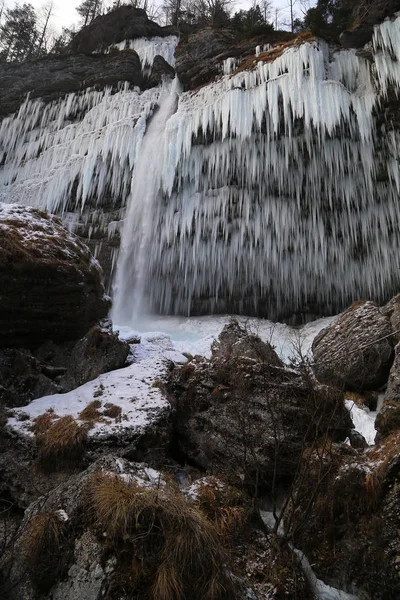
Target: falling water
<point x="138" y="230"/>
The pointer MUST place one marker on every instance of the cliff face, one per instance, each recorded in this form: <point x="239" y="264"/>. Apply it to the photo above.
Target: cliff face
<point x="124" y="23"/>
<point x="276" y="174"/>
<point x="52" y="77"/>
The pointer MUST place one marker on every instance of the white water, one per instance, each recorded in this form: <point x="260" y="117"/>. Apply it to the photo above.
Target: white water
<point x="138" y="230"/>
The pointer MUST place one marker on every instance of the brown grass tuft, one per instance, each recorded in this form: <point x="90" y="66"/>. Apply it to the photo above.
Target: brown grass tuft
<point x="62" y="445"/>
<point x="43" y="549"/>
<point x="174" y="541"/>
<point x="91" y="413"/>
<point x="113" y="411"/>
<point x="274" y="53"/>
<point x="43" y="422"/>
<point x="225" y="506"/>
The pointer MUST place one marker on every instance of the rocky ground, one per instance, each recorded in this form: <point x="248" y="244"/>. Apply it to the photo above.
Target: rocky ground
<point x="123" y="462"/>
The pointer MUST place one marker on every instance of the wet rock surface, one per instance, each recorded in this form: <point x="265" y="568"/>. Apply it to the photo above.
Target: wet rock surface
<point x="356" y="351"/>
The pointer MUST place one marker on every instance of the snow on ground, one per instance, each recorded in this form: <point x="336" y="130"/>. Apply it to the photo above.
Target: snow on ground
<point x="194" y="335"/>
<point x="135" y="388"/>
<point x="364" y="419"/>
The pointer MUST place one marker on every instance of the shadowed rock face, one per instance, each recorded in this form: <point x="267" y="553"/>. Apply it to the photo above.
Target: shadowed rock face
<point x="50" y="286"/>
<point x="53" y="76"/>
<point x="125" y="23"/>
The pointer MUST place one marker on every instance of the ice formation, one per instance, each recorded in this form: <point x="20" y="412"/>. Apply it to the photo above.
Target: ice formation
<point x="270" y="196"/>
<point x="149" y="48"/>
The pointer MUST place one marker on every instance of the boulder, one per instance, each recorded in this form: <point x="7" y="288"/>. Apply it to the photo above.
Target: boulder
<point x="345" y="517"/>
<point x="388" y="418"/>
<point x="58" y="368"/>
<point x="356" y="351"/>
<point x="235" y="342"/>
<point x="392" y="310"/>
<point x="124" y="23"/>
<point x="159" y="70"/>
<point x="53" y="76"/>
<point x="50" y="286"/>
<point x="244" y="414"/>
<point x="99" y="351"/>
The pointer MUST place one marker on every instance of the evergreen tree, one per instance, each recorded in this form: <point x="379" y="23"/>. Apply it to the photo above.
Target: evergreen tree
<point x="18" y="33"/>
<point x="89" y="10"/>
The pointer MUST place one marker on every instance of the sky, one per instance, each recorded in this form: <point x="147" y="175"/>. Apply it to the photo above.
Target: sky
<point x="65" y="14"/>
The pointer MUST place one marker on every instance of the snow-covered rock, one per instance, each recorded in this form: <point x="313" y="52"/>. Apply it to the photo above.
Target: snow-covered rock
<point x="50" y="285"/>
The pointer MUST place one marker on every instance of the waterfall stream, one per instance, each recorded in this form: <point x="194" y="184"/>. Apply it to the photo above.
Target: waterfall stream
<point x="138" y="230"/>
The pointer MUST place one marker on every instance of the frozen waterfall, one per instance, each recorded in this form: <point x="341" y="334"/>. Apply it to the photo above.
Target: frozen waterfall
<point x="275" y="189"/>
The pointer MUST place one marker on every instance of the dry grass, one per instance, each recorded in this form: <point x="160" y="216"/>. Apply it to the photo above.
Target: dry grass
<point x="42" y="549"/>
<point x="62" y="445"/>
<point x="42" y="423"/>
<point x="174" y="550"/>
<point x="91" y="412"/>
<point x="113" y="411"/>
<point x="225" y="506"/>
<point x="271" y="55"/>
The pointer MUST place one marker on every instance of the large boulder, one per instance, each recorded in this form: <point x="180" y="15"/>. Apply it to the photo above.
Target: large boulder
<point x="345" y="517"/>
<point x="53" y="76"/>
<point x="50" y="286"/>
<point x="388" y="418"/>
<point x="356" y="351"/>
<point x="58" y="368"/>
<point x="244" y="414"/>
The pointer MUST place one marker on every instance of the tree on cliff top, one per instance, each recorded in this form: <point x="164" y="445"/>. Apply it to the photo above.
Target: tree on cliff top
<point x="18" y="33"/>
<point x="89" y="10"/>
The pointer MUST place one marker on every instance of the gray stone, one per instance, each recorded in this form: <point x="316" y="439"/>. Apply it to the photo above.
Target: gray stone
<point x="52" y="77"/>
<point x="356" y="351"/>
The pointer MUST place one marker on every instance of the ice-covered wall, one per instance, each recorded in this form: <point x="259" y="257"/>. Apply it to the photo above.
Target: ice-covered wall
<point x="271" y="199"/>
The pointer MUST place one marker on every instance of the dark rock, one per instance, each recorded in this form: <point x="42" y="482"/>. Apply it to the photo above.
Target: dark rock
<point x="51" y="77"/>
<point x="50" y="285"/>
<point x="356" y="351"/>
<point x="349" y="531"/>
<point x="357" y="440"/>
<point x="58" y="368"/>
<point x="23" y="378"/>
<point x="250" y="418"/>
<point x="388" y="418"/>
<point x="124" y="23"/>
<point x="235" y="342"/>
<point x="199" y="55"/>
<point x="159" y="70"/>
<point x="356" y="38"/>
<point x="392" y="310"/>
<point x="99" y="351"/>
